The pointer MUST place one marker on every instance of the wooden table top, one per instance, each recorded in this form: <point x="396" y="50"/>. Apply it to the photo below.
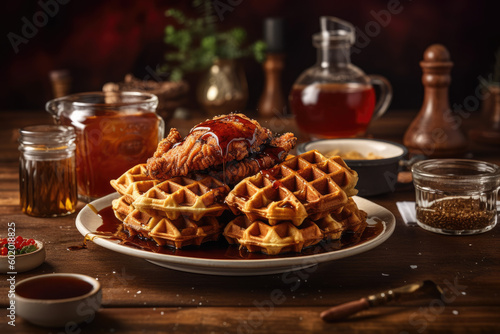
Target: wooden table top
<point x="141" y="297"/>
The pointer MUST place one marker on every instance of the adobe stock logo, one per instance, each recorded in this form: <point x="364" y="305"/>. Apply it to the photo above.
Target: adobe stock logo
<point x="40" y="18"/>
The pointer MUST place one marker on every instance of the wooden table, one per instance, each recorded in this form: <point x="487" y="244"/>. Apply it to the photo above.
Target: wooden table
<point x="141" y="297"/>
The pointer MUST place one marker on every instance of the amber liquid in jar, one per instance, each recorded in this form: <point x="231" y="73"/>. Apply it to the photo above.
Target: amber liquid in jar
<point x="48" y="188"/>
<point x="47" y="171"/>
<point x="333" y="110"/>
<point x="108" y="144"/>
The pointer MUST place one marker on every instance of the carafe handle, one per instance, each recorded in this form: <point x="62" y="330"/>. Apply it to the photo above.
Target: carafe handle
<point x="385" y="97"/>
<point x="55" y="108"/>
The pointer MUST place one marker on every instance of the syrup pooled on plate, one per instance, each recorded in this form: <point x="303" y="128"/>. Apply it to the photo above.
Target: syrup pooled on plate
<point x="221" y="250"/>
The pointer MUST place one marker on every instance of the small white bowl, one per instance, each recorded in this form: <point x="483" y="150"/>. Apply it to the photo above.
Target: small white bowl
<point x="58" y="312"/>
<point x="23" y="262"/>
<point x="377" y="176"/>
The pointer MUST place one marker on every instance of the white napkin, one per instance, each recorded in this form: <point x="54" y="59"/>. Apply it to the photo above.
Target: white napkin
<point x="409" y="215"/>
<point x="407" y="211"/>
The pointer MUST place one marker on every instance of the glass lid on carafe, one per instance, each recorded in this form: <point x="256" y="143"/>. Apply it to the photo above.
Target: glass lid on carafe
<point x="334" y="31"/>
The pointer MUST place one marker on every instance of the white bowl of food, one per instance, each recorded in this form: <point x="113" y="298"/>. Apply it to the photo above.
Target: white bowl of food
<point x="376" y="161"/>
<point x="58" y="300"/>
<point x="22" y="257"/>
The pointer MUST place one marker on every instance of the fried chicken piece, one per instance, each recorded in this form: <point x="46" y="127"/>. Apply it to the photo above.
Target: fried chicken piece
<point x="268" y="157"/>
<point x="167" y="143"/>
<point x="211" y="143"/>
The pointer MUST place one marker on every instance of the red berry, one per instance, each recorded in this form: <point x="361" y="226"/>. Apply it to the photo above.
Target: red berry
<point x="19" y="238"/>
<point x="5" y="250"/>
<point x="31" y="242"/>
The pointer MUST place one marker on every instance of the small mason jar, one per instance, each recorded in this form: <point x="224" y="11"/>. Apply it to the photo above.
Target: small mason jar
<point x="47" y="170"/>
<point x="456" y="197"/>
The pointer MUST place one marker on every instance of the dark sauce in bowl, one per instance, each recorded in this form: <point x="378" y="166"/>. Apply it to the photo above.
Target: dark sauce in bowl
<point x="53" y="287"/>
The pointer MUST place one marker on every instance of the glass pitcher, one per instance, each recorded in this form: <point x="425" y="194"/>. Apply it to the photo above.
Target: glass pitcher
<point x="114" y="132"/>
<point x="334" y="98"/>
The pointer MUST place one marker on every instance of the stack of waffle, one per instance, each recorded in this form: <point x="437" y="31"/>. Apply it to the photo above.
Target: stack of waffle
<point x="178" y="212"/>
<point x="296" y="204"/>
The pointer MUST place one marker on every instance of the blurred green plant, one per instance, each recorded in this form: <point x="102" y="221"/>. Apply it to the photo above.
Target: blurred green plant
<point x="196" y="42"/>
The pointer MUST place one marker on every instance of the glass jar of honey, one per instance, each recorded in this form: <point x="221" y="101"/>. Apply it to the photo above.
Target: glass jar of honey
<point x="47" y="173"/>
<point x="334" y="98"/>
<point x="114" y="132"/>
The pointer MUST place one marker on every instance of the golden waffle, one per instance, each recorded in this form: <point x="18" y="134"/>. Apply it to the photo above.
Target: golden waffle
<point x="353" y="219"/>
<point x="121" y="208"/>
<point x="190" y="197"/>
<point x="260" y="237"/>
<point x="178" y="233"/>
<point x="285" y="237"/>
<point x="137" y="222"/>
<point x="307" y="185"/>
<point x="134" y="182"/>
<point x="183" y="231"/>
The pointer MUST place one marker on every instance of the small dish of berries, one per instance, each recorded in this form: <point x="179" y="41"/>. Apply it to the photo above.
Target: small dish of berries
<point x="20" y="254"/>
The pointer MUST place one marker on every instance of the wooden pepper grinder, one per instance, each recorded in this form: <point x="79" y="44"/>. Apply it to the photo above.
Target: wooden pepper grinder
<point x="272" y="102"/>
<point x="435" y="132"/>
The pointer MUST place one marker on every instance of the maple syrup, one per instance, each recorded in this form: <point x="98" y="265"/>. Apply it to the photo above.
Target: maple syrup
<point x="269" y="174"/>
<point x="333" y="110"/>
<point x="53" y="287"/>
<point x="109" y="144"/>
<point x="47" y="174"/>
<point x="114" y="132"/>
<point x="225" y="131"/>
<point x="335" y="98"/>
<point x="221" y="250"/>
<point x="276" y="153"/>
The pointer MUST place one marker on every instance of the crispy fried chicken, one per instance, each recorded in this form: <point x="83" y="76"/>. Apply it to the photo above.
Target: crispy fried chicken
<point x="271" y="155"/>
<point x="234" y="139"/>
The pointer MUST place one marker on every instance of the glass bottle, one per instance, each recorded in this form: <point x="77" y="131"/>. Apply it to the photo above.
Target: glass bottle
<point x="114" y="132"/>
<point x="47" y="173"/>
<point x="334" y="98"/>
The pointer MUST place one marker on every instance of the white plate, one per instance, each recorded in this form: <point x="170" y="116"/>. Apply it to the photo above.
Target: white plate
<point x="87" y="222"/>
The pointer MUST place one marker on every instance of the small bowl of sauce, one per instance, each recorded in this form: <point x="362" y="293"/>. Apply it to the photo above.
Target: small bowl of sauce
<point x="58" y="300"/>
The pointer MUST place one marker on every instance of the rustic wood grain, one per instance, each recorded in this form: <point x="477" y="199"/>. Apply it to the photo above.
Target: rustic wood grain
<point x="135" y="292"/>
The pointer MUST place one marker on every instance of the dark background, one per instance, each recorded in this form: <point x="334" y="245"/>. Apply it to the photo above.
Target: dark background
<point x="101" y="41"/>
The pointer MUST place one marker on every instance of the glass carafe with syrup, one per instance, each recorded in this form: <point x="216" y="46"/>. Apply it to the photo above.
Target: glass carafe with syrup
<point x="334" y="98"/>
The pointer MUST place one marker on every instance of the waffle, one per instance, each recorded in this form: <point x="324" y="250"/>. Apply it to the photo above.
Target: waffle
<point x="183" y="231"/>
<point x="260" y="237"/>
<point x="307" y="185"/>
<point x="285" y="237"/>
<point x="134" y="182"/>
<point x="121" y="208"/>
<point x="353" y="219"/>
<point x="139" y="223"/>
<point x="190" y="197"/>
<point x="282" y="238"/>
<point x="178" y="233"/>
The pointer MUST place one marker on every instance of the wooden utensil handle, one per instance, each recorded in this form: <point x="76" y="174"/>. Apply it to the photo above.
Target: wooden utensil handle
<point x="343" y="311"/>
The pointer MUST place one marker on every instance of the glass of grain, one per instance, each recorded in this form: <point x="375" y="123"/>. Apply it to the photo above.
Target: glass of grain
<point x="456" y="197"/>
